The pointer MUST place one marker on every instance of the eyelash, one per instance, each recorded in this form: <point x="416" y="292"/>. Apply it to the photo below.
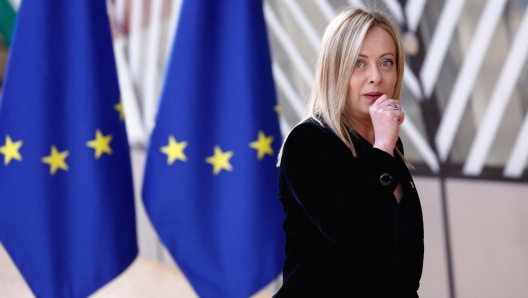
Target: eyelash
<point x="387" y="60"/>
<point x="381" y="63"/>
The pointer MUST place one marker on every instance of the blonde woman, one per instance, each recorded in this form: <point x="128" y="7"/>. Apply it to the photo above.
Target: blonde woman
<point x="353" y="224"/>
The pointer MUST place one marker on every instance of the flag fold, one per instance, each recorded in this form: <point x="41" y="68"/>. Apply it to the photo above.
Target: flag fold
<point x="67" y="214"/>
<point x="210" y="185"/>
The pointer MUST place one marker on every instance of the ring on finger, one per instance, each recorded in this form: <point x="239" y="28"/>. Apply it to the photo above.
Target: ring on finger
<point x="394" y="106"/>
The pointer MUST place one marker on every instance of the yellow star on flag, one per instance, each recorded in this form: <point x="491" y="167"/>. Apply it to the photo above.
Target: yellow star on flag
<point x="10" y="150"/>
<point x="101" y="144"/>
<point x="174" y="150"/>
<point x="119" y="107"/>
<point x="277" y="109"/>
<point x="220" y="160"/>
<point x="57" y="160"/>
<point x="262" y="145"/>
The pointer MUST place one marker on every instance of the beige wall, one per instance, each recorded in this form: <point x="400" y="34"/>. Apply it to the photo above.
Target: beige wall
<point x="489" y="234"/>
<point x="434" y="283"/>
<point x="488" y="222"/>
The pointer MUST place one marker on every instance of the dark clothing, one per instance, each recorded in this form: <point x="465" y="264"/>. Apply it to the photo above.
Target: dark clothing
<point x="346" y="235"/>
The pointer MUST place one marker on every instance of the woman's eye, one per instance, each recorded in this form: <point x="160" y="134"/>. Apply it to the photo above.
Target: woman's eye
<point x="386" y="63"/>
<point x="359" y="64"/>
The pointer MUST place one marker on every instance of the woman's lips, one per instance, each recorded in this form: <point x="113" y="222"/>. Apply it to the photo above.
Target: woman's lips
<point x="373" y="95"/>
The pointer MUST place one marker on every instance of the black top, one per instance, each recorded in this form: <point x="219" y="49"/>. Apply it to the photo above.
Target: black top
<point x="346" y="235"/>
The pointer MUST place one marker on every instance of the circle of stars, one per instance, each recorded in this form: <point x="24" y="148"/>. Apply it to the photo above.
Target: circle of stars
<point x="57" y="159"/>
<point x="220" y="160"/>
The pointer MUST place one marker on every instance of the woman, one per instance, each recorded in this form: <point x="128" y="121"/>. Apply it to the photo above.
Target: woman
<point x="353" y="222"/>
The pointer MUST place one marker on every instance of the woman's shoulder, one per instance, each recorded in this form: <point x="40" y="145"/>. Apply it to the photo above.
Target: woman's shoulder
<point x="310" y="129"/>
<point x="312" y="134"/>
<point x="312" y="140"/>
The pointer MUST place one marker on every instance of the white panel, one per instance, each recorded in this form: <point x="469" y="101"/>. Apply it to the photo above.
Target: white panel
<point x="500" y="98"/>
<point x="326" y="8"/>
<point x="413" y="11"/>
<point x="519" y="156"/>
<point x="395" y="9"/>
<point x="467" y="76"/>
<point x="135" y="133"/>
<point x="135" y="42"/>
<point x="412" y="83"/>
<point x="173" y="25"/>
<point x="152" y="74"/>
<point x="15" y="4"/>
<point x="356" y="3"/>
<point x="285" y="126"/>
<point x="119" y="12"/>
<point x="288" y="45"/>
<point x="420" y="144"/>
<point x="291" y="96"/>
<point x="440" y="41"/>
<point x="304" y="23"/>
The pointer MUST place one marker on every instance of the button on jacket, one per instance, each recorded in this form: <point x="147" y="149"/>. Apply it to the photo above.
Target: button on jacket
<point x="346" y="235"/>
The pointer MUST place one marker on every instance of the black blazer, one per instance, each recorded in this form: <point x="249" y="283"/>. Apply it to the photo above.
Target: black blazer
<point x="346" y="235"/>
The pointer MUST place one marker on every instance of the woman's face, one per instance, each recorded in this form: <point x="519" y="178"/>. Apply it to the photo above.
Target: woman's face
<point x="374" y="73"/>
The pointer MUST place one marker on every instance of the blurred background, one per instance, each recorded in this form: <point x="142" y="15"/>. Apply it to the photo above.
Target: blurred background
<point x="466" y="129"/>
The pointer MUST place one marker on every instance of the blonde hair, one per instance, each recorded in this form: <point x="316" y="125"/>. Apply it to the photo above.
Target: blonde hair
<point x="337" y="56"/>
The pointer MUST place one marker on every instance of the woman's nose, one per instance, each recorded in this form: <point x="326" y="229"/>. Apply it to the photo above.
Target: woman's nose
<point x="374" y="76"/>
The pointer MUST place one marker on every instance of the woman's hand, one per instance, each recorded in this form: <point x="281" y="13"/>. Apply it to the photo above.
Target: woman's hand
<point x="386" y="115"/>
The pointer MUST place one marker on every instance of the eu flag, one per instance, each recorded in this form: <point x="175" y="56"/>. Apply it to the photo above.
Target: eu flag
<point x="210" y="185"/>
<point x="67" y="213"/>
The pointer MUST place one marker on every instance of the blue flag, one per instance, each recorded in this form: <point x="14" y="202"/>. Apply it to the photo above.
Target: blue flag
<point x="210" y="185"/>
<point x="67" y="214"/>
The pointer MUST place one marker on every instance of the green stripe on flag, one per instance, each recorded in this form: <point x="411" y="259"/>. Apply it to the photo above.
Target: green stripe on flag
<point x="7" y="21"/>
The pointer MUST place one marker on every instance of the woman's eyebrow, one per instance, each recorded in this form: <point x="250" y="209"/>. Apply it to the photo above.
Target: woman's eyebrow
<point x="382" y="55"/>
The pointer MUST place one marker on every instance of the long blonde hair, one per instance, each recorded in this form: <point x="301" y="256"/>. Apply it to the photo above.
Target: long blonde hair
<point x="337" y="56"/>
